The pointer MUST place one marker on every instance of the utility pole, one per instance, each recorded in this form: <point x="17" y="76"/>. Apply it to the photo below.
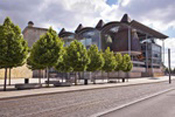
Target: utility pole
<point x="169" y="65"/>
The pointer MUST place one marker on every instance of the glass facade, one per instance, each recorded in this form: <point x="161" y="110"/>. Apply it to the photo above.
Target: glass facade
<point x="154" y="54"/>
<point x="68" y="39"/>
<point x="90" y="37"/>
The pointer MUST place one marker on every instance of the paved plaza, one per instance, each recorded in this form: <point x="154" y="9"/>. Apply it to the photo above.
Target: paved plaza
<point x="41" y="91"/>
<point x="75" y="103"/>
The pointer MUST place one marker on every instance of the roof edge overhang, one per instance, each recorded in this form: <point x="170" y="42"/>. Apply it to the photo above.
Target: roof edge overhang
<point x="66" y="33"/>
<point x="85" y="29"/>
<point x="139" y="26"/>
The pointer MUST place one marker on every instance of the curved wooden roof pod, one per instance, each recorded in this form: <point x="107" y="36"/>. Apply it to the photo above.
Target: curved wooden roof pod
<point x="119" y="33"/>
<point x="108" y="34"/>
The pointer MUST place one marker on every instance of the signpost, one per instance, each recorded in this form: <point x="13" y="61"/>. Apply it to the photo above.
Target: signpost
<point x="169" y="65"/>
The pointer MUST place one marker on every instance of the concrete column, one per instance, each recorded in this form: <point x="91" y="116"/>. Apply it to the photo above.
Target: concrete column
<point x="99" y="34"/>
<point x="163" y="51"/>
<point x="152" y="59"/>
<point x="146" y="53"/>
<point x="129" y="40"/>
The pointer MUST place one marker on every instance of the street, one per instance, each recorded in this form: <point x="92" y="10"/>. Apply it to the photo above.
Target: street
<point x="78" y="103"/>
<point x="159" y="106"/>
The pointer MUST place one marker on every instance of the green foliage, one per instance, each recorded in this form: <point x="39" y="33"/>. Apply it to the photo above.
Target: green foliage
<point x="96" y="57"/>
<point x="119" y="60"/>
<point x="13" y="48"/>
<point x="63" y="64"/>
<point x="46" y="52"/>
<point x="31" y="65"/>
<point x="110" y="62"/>
<point x="77" y="56"/>
<point x="127" y="63"/>
<point x="129" y="67"/>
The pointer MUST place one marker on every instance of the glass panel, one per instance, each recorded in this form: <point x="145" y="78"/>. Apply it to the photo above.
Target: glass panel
<point x="90" y="37"/>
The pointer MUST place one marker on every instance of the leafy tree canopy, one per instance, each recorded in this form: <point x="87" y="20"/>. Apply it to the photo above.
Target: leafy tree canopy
<point x="47" y="50"/>
<point x="119" y="60"/>
<point x="77" y="56"/>
<point x="63" y="64"/>
<point x="128" y="67"/>
<point x="31" y="65"/>
<point x="96" y="57"/>
<point x="13" y="48"/>
<point x="110" y="62"/>
<point x="127" y="63"/>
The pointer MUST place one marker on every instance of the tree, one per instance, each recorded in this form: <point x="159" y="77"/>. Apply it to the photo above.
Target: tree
<point x="31" y="65"/>
<point x="97" y="60"/>
<point x="63" y="65"/>
<point x="47" y="50"/>
<point x="110" y="61"/>
<point x="127" y="64"/>
<point x="77" y="57"/>
<point x="119" y="60"/>
<point x="13" y="48"/>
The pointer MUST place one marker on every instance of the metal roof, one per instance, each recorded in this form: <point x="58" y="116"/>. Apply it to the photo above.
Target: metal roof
<point x="139" y="26"/>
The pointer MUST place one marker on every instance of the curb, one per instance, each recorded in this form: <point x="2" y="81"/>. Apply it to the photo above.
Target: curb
<point x="75" y="90"/>
<point x="131" y="103"/>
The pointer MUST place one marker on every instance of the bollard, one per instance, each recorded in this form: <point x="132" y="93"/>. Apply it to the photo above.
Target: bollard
<point x="123" y="79"/>
<point x="86" y="81"/>
<point x="26" y="80"/>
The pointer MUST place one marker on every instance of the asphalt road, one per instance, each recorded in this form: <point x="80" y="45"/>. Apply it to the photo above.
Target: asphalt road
<point x="78" y="103"/>
<point x="159" y="106"/>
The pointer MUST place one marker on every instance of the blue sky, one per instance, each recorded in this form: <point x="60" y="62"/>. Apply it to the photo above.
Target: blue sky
<point x="111" y="2"/>
<point x="158" y="14"/>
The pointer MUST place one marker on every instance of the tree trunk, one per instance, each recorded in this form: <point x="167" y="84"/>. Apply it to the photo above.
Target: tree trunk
<point x="94" y="78"/>
<point x="68" y="77"/>
<point x="107" y="76"/>
<point x="9" y="76"/>
<point x="118" y="76"/>
<point x="127" y="77"/>
<point x="62" y="76"/>
<point x="48" y="79"/>
<point x="102" y="76"/>
<point x="5" y="79"/>
<point x="39" y="76"/>
<point x="76" y="74"/>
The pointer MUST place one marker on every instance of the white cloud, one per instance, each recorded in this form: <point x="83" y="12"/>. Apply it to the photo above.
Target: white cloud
<point x="158" y="14"/>
<point x="124" y="2"/>
<point x="169" y="44"/>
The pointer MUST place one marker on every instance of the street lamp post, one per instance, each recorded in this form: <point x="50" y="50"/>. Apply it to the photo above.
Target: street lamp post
<point x="169" y="65"/>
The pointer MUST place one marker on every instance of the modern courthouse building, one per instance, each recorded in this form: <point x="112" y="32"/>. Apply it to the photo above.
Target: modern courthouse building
<point x="124" y="36"/>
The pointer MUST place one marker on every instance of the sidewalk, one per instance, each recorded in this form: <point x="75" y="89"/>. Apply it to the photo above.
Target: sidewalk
<point x="52" y="90"/>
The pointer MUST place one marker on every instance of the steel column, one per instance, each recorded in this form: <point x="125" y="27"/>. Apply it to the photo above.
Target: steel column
<point x="169" y="65"/>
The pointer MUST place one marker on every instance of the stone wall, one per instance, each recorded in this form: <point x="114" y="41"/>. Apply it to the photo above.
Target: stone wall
<point x="19" y="72"/>
<point x="32" y="34"/>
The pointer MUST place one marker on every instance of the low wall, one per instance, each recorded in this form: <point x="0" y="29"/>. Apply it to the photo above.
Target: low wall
<point x="103" y="75"/>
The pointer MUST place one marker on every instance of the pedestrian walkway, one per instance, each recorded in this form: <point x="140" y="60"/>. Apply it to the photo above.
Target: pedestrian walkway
<point x="52" y="90"/>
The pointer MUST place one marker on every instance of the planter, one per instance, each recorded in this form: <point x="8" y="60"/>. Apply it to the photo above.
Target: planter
<point x="27" y="86"/>
<point x="62" y="84"/>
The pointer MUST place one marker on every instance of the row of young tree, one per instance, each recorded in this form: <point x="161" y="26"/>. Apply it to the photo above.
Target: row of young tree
<point x="49" y="52"/>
